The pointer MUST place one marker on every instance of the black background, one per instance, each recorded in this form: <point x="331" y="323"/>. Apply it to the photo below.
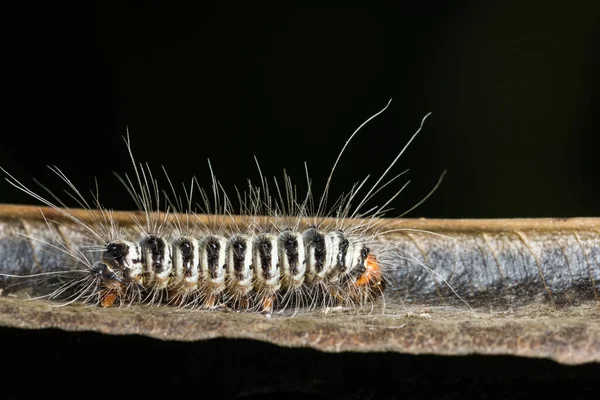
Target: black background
<point x="513" y="87"/>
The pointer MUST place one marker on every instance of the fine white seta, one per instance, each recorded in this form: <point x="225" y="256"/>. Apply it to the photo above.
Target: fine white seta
<point x="279" y="251"/>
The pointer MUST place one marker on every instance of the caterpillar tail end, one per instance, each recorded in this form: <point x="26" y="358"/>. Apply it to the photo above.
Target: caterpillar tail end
<point x="371" y="280"/>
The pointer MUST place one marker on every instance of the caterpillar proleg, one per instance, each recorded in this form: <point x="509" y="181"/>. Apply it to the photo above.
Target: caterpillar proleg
<point x="287" y="252"/>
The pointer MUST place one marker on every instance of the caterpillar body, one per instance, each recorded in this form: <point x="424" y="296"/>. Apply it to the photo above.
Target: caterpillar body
<point x="285" y="254"/>
<point x="244" y="271"/>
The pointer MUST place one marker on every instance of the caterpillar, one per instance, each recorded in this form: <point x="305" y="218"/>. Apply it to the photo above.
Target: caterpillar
<point x="287" y="252"/>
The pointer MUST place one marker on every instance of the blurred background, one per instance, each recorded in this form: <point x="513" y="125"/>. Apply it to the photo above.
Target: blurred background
<point x="512" y="86"/>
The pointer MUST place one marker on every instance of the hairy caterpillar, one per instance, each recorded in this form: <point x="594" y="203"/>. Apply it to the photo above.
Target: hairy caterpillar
<point x="289" y="251"/>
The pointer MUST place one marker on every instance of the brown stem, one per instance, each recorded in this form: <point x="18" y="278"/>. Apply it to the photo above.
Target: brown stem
<point x="533" y="284"/>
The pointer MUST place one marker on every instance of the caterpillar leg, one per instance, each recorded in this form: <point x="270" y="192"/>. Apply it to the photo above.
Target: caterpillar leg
<point x="108" y="297"/>
<point x="210" y="301"/>
<point x="267" y="304"/>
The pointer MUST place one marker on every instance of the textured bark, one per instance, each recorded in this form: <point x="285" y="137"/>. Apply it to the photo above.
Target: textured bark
<point x="532" y="284"/>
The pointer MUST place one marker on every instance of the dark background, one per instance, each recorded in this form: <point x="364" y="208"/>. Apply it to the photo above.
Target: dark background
<point x="513" y="87"/>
